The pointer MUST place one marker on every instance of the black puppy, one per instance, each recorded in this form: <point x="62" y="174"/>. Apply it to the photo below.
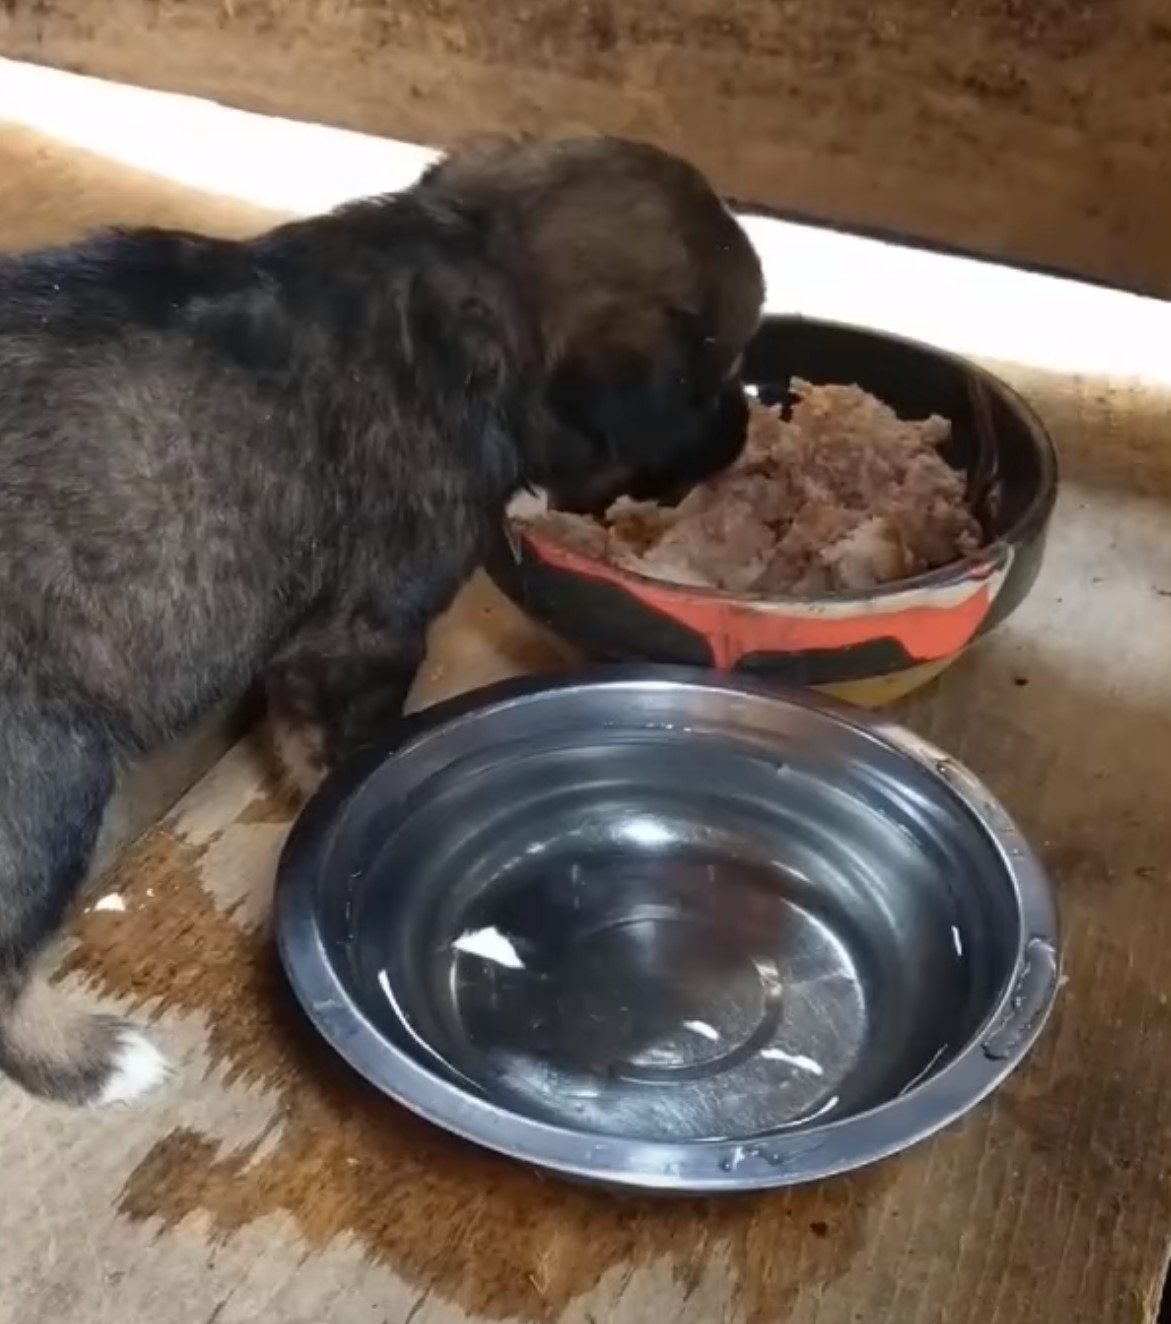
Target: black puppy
<point x="281" y="458"/>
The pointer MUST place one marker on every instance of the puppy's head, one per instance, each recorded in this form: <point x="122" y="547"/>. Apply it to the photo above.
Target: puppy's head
<point x="643" y="291"/>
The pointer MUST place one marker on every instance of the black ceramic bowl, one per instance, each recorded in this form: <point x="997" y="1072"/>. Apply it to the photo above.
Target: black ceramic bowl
<point x="872" y="646"/>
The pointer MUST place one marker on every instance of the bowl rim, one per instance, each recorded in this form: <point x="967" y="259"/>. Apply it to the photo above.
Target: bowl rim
<point x="783" y="1158"/>
<point x="976" y="565"/>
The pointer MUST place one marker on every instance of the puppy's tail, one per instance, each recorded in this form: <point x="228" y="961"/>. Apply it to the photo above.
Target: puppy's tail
<point x="60" y="1054"/>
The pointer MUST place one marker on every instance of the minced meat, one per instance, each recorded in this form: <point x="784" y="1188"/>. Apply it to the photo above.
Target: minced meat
<point x="841" y="494"/>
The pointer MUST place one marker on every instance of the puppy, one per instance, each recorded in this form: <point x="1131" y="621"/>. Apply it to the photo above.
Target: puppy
<point x="279" y="459"/>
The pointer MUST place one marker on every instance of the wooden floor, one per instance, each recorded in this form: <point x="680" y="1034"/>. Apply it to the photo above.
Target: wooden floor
<point x="267" y="1184"/>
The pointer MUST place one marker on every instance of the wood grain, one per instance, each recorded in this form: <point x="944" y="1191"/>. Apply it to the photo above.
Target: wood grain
<point x="1031" y="130"/>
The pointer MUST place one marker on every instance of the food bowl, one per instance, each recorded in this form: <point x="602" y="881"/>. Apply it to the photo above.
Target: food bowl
<point x="663" y="929"/>
<point x="873" y="646"/>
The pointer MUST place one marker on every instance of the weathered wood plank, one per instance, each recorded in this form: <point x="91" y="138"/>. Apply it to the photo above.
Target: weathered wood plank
<point x="1032" y="130"/>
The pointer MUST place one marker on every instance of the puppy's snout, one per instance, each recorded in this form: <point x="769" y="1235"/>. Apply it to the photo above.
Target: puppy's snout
<point x="719" y="431"/>
<point x="729" y="426"/>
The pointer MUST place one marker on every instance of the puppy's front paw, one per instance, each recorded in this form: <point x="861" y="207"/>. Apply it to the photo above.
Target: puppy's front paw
<point x="299" y="752"/>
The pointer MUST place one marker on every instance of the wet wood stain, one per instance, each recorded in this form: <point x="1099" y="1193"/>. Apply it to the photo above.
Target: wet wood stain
<point x="479" y="1232"/>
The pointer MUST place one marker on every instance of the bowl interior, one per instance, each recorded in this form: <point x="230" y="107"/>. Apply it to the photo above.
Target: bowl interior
<point x="672" y="916"/>
<point x="872" y="645"/>
<point x="995" y="440"/>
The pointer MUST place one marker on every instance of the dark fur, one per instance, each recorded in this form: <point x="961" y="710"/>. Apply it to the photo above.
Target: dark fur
<point x="281" y="458"/>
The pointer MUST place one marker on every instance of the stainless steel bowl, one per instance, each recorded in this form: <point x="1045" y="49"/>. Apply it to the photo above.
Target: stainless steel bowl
<point x="655" y="928"/>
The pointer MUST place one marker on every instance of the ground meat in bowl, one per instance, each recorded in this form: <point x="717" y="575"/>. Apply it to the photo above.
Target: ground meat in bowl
<point x="839" y="494"/>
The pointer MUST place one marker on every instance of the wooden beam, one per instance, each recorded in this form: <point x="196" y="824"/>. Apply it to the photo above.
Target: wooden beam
<point x="1034" y="131"/>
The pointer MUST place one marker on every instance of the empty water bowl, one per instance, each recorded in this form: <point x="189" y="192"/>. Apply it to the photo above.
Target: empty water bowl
<point x="663" y="929"/>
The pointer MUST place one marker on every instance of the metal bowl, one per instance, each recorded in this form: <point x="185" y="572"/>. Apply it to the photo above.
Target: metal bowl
<point x="663" y="929"/>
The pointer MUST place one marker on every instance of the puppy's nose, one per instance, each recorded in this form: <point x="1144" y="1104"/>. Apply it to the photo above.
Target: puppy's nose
<point x="595" y="495"/>
<point x="732" y="406"/>
<point x="729" y="429"/>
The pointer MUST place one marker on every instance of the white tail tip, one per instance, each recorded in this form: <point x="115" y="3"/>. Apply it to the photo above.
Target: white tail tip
<point x="137" y="1069"/>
